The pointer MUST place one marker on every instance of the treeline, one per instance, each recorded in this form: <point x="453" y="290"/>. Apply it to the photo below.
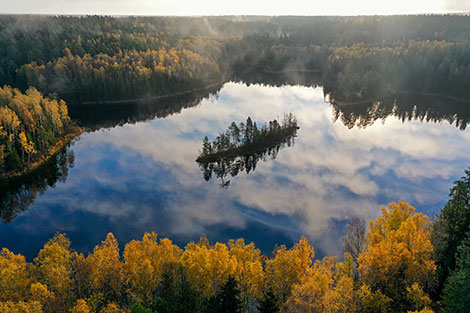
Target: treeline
<point x="156" y="276"/>
<point x="359" y="56"/>
<point x="362" y="71"/>
<point x="41" y="39"/>
<point x="126" y="75"/>
<point x="32" y="127"/>
<point x="104" y="58"/>
<point x="400" y="264"/>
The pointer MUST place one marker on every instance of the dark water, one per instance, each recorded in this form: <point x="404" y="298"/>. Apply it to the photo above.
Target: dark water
<point x="138" y="173"/>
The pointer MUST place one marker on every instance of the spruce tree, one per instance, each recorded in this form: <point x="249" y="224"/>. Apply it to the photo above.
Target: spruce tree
<point x="228" y="300"/>
<point x="269" y="304"/>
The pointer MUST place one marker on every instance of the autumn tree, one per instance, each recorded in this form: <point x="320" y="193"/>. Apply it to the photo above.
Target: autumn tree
<point x="288" y="267"/>
<point x="107" y="271"/>
<point x="15" y="277"/>
<point x="54" y="266"/>
<point x="144" y="263"/>
<point x="249" y="272"/>
<point x="208" y="267"/>
<point x="398" y="254"/>
<point x="80" y="307"/>
<point x="21" y="307"/>
<point x="309" y="294"/>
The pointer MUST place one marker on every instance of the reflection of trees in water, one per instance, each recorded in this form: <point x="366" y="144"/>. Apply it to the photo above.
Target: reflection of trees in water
<point x="17" y="194"/>
<point x="242" y="146"/>
<point x="425" y="108"/>
<point x="98" y="116"/>
<point x="360" y="108"/>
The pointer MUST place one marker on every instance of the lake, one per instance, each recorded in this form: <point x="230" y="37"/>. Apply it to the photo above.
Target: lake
<point x="134" y="170"/>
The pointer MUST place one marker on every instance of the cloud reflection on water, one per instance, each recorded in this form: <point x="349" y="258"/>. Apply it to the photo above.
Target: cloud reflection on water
<point x="143" y="177"/>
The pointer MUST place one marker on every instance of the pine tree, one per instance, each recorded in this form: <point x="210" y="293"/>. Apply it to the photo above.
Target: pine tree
<point x="228" y="300"/>
<point x="269" y="304"/>
<point x="456" y="296"/>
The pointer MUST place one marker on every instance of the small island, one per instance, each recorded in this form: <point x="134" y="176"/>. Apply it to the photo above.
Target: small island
<point x="33" y="128"/>
<point x="242" y="146"/>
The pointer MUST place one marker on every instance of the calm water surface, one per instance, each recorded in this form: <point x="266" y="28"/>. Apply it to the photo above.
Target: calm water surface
<point x="142" y="176"/>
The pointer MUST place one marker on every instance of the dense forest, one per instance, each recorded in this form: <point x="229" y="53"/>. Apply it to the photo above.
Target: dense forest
<point x="404" y="263"/>
<point x="32" y="128"/>
<point x="399" y="264"/>
<point x="98" y="59"/>
<point x="356" y="57"/>
<point x="242" y="146"/>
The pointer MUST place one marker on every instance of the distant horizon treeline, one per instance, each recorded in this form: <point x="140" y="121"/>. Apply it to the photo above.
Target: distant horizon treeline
<point x="357" y="58"/>
<point x="401" y="262"/>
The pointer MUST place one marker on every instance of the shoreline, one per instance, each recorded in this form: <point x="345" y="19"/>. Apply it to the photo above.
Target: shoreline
<point x="175" y="94"/>
<point x="402" y="92"/>
<point x="53" y="151"/>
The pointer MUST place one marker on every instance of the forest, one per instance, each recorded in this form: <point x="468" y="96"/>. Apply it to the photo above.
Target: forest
<point x="97" y="59"/>
<point x="32" y="128"/>
<point x="100" y="58"/>
<point x="401" y="262"/>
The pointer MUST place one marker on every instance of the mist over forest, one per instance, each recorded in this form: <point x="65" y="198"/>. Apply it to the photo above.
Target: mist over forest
<point x="61" y="76"/>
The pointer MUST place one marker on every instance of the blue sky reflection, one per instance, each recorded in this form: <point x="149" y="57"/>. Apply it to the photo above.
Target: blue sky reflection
<point x="143" y="177"/>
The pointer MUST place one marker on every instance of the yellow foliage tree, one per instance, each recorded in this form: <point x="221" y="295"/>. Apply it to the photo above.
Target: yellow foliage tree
<point x="398" y="253"/>
<point x="112" y="308"/>
<point x="41" y="294"/>
<point x="144" y="264"/>
<point x="249" y="269"/>
<point x="21" y="307"/>
<point x="54" y="265"/>
<point x="80" y="307"/>
<point x="342" y="296"/>
<point x="106" y="271"/>
<point x="14" y="276"/>
<point x="26" y="144"/>
<point x="289" y="267"/>
<point x="208" y="267"/>
<point x="370" y="301"/>
<point x="308" y="295"/>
